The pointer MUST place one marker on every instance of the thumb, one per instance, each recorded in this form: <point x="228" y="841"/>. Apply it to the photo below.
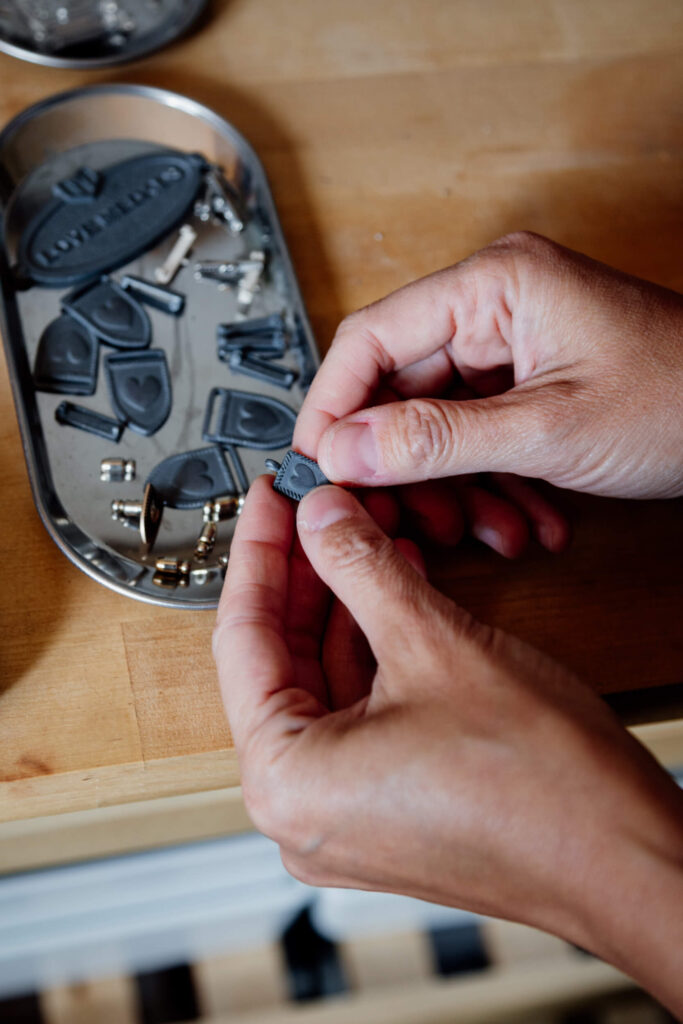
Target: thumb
<point x="385" y="594"/>
<point x="425" y="438"/>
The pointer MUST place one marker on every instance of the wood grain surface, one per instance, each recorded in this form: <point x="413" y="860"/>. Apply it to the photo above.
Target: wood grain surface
<point x="398" y="135"/>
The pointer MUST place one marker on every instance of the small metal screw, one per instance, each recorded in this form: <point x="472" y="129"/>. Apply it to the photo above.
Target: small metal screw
<point x="205" y="542"/>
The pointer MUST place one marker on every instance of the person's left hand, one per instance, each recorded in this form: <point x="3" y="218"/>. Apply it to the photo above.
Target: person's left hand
<point x="389" y="741"/>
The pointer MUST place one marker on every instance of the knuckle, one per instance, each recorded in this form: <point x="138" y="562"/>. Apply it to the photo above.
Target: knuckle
<point x="556" y="407"/>
<point x="268" y="804"/>
<point x="263" y="807"/>
<point x="526" y="254"/>
<point x="359" y="327"/>
<point x="358" y="550"/>
<point x="523" y="243"/>
<point x="302" y="869"/>
<point x="424" y="434"/>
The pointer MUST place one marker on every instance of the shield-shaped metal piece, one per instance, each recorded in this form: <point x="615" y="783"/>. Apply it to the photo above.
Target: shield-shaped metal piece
<point x="66" y="361"/>
<point x="139" y="388"/>
<point x="252" y="421"/>
<point x="112" y="313"/>
<point x="297" y="475"/>
<point x="189" y="479"/>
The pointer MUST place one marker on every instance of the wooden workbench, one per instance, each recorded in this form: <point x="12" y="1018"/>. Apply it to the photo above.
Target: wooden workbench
<point x="398" y="135"/>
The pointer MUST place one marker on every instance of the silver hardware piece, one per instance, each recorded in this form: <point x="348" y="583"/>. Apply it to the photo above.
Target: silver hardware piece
<point x="223" y="561"/>
<point x="205" y="542"/>
<point x="249" y="284"/>
<point x="219" y="509"/>
<point x="145" y="515"/>
<point x="115" y="470"/>
<point x="219" y="202"/>
<point x="220" y="271"/>
<point x="171" y="572"/>
<point x="225" y="272"/>
<point x="187" y="236"/>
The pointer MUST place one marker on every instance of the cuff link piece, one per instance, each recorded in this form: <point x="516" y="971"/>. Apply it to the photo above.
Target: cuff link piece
<point x="296" y="476"/>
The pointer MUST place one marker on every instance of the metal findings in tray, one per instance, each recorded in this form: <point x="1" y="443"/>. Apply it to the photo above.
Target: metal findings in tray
<point x="192" y="370"/>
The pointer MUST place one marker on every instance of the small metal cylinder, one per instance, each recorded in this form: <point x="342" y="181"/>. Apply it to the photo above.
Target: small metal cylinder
<point x="116" y="470"/>
<point x="219" y="509"/>
<point x="168" y="565"/>
<point x="205" y="542"/>
<point x="123" y="508"/>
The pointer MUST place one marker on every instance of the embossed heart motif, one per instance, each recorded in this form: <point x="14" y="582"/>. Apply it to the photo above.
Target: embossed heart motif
<point x="69" y="349"/>
<point x="115" y="313"/>
<point x="194" y="478"/>
<point x="257" y="418"/>
<point x="303" y="477"/>
<point x="141" y="393"/>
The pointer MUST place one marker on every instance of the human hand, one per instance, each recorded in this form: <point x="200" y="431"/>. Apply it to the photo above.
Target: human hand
<point x="579" y="369"/>
<point x="388" y="741"/>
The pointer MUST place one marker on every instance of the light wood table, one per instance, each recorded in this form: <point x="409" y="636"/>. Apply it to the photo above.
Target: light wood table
<point x="399" y="136"/>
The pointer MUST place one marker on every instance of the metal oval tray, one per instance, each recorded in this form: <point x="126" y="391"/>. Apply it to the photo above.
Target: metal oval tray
<point x="99" y="126"/>
<point x="88" y="35"/>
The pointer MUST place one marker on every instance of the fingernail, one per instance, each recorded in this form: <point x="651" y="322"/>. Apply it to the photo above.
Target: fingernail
<point x="324" y="506"/>
<point x="350" y="454"/>
<point x="491" y="538"/>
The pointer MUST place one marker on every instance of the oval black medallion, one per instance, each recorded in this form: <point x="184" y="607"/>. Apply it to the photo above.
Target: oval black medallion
<point x="99" y="220"/>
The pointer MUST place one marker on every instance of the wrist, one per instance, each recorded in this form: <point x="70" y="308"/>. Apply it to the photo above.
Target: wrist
<point x="630" y="912"/>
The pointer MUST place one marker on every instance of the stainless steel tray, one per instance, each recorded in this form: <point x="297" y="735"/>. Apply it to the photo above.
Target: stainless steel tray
<point x="92" y="34"/>
<point x="97" y="126"/>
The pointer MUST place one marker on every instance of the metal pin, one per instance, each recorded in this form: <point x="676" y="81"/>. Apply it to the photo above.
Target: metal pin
<point x="220" y="202"/>
<point x="171" y="572"/>
<point x="225" y="272"/>
<point x="126" y="509"/>
<point x="160" y="579"/>
<point x="171" y="265"/>
<point x="249" y="284"/>
<point x="223" y="200"/>
<point x="219" y="509"/>
<point x="115" y="470"/>
<point x="145" y="514"/>
<point x="219" y="270"/>
<point x="223" y="561"/>
<point x="205" y="542"/>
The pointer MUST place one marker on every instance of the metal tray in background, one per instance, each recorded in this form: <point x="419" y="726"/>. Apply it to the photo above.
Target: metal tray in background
<point x="58" y="41"/>
<point x="97" y="126"/>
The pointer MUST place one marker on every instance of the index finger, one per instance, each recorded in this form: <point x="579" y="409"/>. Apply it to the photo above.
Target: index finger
<point x="405" y="328"/>
<point x="249" y="645"/>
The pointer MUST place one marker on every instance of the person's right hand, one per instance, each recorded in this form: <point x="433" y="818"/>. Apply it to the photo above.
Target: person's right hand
<point x="592" y="359"/>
